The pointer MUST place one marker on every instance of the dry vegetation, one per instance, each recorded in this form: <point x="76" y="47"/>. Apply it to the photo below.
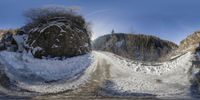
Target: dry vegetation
<point x="37" y="17"/>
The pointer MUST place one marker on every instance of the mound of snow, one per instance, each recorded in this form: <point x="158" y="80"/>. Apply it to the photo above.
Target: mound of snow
<point x="37" y="74"/>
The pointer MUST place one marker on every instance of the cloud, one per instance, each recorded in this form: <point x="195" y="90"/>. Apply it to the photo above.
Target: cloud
<point x="98" y="12"/>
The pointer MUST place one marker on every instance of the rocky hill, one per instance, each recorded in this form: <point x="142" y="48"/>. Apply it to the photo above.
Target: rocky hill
<point x="56" y="32"/>
<point x="191" y="43"/>
<point x="50" y="32"/>
<point x="135" y="46"/>
<point x="7" y="41"/>
<point x="12" y="31"/>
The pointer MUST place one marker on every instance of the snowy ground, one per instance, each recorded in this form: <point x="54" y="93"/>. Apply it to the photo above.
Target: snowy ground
<point x="167" y="79"/>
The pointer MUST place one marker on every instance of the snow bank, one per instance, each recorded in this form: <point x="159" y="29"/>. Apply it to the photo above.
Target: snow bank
<point x="162" y="79"/>
<point x="182" y="62"/>
<point x="45" y="75"/>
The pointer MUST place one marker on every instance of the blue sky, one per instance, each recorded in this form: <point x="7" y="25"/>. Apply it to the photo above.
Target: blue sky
<point x="168" y="19"/>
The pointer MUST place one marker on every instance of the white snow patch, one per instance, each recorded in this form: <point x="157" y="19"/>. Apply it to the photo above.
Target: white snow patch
<point x="58" y="24"/>
<point x="60" y="34"/>
<point x="62" y="31"/>
<point x="20" y="41"/>
<point x="36" y="49"/>
<point x="33" y="30"/>
<point x="119" y="43"/>
<point x="57" y="40"/>
<point x="78" y="30"/>
<point x="54" y="46"/>
<point x="86" y="45"/>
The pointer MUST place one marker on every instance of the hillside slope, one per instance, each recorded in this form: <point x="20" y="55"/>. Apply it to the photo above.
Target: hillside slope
<point x="191" y="43"/>
<point x="133" y="46"/>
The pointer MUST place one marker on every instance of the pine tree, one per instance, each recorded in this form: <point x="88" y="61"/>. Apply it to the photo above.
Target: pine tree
<point x="113" y="31"/>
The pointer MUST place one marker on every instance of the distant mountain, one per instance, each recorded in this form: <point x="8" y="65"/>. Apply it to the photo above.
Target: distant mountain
<point x="135" y="46"/>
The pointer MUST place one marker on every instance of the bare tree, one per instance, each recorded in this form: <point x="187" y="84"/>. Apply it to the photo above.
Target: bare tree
<point x="39" y="16"/>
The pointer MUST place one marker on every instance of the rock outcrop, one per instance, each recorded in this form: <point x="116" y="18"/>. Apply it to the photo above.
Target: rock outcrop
<point x="136" y="47"/>
<point x="7" y="42"/>
<point x="50" y="32"/>
<point x="191" y="43"/>
<point x="59" y="37"/>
